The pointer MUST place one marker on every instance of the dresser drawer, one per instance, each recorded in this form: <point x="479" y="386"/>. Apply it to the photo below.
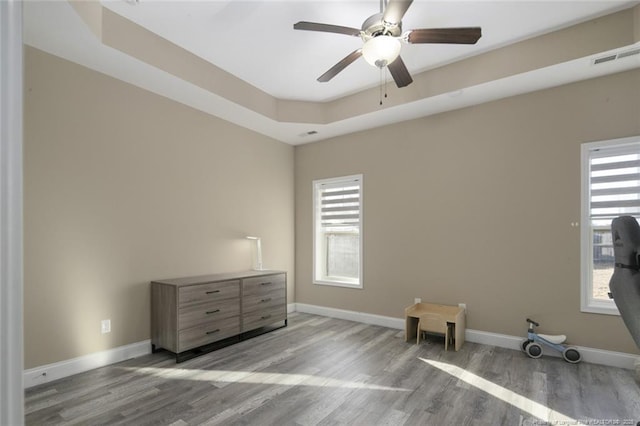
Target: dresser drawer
<point x="191" y="316"/>
<point x="208" y="292"/>
<point x="206" y="333"/>
<point x="260" y="318"/>
<point x="263" y="285"/>
<point x="263" y="301"/>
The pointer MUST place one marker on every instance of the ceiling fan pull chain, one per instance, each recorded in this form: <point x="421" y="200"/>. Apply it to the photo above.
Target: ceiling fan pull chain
<point x="385" y="84"/>
<point x="380" y="87"/>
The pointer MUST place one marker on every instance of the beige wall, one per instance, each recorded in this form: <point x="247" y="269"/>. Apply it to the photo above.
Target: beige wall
<point x="476" y="206"/>
<point x="122" y="187"/>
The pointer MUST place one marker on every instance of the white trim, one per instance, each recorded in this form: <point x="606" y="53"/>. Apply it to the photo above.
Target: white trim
<point x="362" y="317"/>
<point x="587" y="302"/>
<point x="592" y="355"/>
<point x="47" y="373"/>
<point x="359" y="284"/>
<point x="11" y="293"/>
<point x="344" y="284"/>
<point x="59" y="370"/>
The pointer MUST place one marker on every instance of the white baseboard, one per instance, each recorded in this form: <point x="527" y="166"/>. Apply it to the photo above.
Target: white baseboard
<point x="47" y="373"/>
<point x="50" y="372"/>
<point x="592" y="355"/>
<point x="390" y="322"/>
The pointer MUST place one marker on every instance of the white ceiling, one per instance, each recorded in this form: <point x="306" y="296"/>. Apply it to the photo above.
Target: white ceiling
<point x="255" y="41"/>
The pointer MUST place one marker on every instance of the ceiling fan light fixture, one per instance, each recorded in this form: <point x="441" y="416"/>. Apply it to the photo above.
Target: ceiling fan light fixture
<point x="380" y="51"/>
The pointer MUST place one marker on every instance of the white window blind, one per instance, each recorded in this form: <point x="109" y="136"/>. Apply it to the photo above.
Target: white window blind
<point x="340" y="206"/>
<point x="614" y="183"/>
<point x="611" y="188"/>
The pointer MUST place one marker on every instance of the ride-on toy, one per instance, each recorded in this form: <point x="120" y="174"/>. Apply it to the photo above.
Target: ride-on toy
<point x="532" y="346"/>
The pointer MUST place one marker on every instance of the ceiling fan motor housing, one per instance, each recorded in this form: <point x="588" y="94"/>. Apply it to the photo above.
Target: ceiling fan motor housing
<point x="375" y="26"/>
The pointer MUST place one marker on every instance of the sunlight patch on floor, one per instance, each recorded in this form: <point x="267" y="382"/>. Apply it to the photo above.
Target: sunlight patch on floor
<point x="525" y="404"/>
<point x="226" y="376"/>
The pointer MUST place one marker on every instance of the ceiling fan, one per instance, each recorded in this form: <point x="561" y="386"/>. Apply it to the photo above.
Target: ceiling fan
<point x="382" y="34"/>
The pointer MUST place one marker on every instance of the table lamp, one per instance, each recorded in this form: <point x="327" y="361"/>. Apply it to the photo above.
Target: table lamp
<point x="258" y="253"/>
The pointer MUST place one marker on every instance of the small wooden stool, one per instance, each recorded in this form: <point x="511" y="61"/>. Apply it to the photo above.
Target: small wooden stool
<point x="434" y="323"/>
<point x="453" y="315"/>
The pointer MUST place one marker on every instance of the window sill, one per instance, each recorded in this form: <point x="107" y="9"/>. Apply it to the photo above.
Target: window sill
<point x="600" y="307"/>
<point x="346" y="284"/>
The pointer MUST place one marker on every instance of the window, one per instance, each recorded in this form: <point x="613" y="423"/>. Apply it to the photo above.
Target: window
<point x="337" y="236"/>
<point x="610" y="188"/>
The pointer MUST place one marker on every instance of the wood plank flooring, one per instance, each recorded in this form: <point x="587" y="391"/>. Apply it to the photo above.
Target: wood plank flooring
<point x="323" y="371"/>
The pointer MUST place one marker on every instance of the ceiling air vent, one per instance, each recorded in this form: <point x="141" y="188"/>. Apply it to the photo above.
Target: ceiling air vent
<point x="604" y="59"/>
<point x="629" y="53"/>
<point x="620" y="55"/>
<point x="309" y="133"/>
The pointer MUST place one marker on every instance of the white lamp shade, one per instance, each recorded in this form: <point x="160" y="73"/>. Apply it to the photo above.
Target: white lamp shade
<point x="257" y="253"/>
<point x="381" y="51"/>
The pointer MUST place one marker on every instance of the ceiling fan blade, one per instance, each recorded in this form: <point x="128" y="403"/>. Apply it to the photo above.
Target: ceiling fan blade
<point x="334" y="70"/>
<point x="395" y="11"/>
<point x="327" y="28"/>
<point x="463" y="35"/>
<point x="400" y="73"/>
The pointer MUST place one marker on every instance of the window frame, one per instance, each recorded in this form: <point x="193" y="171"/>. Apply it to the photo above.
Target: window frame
<point x="318" y="252"/>
<point x="587" y="302"/>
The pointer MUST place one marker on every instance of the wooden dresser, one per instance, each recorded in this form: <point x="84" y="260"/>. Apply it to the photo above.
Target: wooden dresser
<point x="195" y="314"/>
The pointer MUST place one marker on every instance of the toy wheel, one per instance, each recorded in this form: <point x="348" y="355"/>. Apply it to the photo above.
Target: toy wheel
<point x="524" y="345"/>
<point x="534" y="350"/>
<point x="571" y="355"/>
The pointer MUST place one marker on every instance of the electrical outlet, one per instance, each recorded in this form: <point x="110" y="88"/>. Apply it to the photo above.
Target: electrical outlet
<point x="105" y="326"/>
<point x="463" y="306"/>
<point x="417" y="300"/>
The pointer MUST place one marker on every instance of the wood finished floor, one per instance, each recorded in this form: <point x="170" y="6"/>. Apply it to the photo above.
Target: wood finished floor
<point x="322" y="371"/>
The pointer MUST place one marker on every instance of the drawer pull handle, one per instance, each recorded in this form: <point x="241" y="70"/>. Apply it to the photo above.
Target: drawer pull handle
<point x="213" y="312"/>
<point x="213" y="331"/>
<point x="266" y="283"/>
<point x="266" y="317"/>
<point x="265" y="300"/>
<point x="213" y="291"/>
